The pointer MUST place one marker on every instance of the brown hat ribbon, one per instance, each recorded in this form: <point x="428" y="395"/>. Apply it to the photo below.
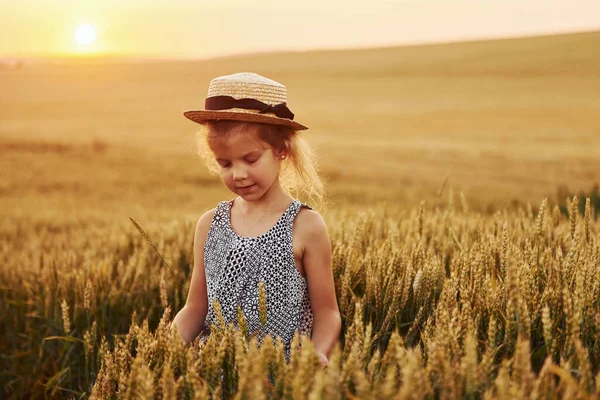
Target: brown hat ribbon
<point x="227" y="102"/>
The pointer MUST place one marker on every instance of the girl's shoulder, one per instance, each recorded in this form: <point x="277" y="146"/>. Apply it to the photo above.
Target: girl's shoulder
<point x="205" y="220"/>
<point x="309" y="222"/>
<point x="219" y="212"/>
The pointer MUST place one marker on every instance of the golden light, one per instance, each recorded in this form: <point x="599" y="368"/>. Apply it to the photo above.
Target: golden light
<point x="85" y="34"/>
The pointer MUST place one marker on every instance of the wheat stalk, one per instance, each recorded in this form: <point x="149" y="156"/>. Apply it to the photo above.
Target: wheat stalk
<point x="147" y="238"/>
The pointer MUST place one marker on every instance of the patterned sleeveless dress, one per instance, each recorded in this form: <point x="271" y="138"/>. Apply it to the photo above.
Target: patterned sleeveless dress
<point x="234" y="266"/>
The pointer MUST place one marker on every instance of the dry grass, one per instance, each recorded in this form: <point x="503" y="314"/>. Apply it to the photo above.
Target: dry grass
<point x="435" y="303"/>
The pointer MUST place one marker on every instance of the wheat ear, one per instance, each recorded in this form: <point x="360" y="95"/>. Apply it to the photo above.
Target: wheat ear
<point x="145" y="236"/>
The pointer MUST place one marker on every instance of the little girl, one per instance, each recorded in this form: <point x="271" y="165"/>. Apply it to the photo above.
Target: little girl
<point x="263" y="235"/>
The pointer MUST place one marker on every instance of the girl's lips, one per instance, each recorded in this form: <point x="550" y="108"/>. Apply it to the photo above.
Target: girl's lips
<point x="246" y="188"/>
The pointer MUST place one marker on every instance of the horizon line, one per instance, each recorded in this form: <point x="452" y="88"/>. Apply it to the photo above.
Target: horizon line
<point x="152" y="57"/>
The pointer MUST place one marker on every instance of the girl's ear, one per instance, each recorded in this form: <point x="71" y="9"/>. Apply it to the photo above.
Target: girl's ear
<point x="280" y="155"/>
<point x="281" y="151"/>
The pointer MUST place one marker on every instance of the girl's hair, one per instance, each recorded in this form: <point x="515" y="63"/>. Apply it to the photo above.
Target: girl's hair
<point x="298" y="174"/>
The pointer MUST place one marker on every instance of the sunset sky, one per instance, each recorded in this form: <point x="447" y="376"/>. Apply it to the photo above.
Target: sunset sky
<point x="205" y="28"/>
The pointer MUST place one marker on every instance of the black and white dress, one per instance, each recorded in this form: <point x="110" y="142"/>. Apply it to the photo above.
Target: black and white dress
<point x="234" y="266"/>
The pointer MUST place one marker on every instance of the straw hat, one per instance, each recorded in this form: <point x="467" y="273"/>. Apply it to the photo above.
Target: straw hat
<point x="246" y="96"/>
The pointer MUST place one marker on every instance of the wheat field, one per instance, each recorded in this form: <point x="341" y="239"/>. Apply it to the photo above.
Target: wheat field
<point x="463" y="199"/>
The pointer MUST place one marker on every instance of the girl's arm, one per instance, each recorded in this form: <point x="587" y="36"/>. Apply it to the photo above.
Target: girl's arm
<point x="317" y="266"/>
<point x="190" y="319"/>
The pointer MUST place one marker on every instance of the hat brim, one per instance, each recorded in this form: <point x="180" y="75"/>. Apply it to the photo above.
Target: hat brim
<point x="201" y="116"/>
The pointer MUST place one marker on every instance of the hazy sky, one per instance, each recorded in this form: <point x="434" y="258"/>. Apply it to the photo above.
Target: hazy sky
<point x="204" y="28"/>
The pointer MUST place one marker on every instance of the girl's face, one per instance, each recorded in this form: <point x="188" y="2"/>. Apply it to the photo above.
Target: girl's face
<point x="249" y="167"/>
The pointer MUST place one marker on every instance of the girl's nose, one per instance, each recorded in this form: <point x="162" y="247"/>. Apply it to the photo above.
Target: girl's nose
<point x="239" y="173"/>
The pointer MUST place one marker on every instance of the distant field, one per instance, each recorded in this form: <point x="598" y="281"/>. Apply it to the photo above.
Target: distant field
<point x="503" y="120"/>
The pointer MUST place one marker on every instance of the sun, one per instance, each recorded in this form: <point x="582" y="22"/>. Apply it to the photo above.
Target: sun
<point x="85" y="34"/>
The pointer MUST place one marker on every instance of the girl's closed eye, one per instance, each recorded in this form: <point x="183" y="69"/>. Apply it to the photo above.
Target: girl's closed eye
<point x="253" y="157"/>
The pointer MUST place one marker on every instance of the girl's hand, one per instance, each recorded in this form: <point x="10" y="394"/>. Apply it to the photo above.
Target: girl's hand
<point x="323" y="359"/>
